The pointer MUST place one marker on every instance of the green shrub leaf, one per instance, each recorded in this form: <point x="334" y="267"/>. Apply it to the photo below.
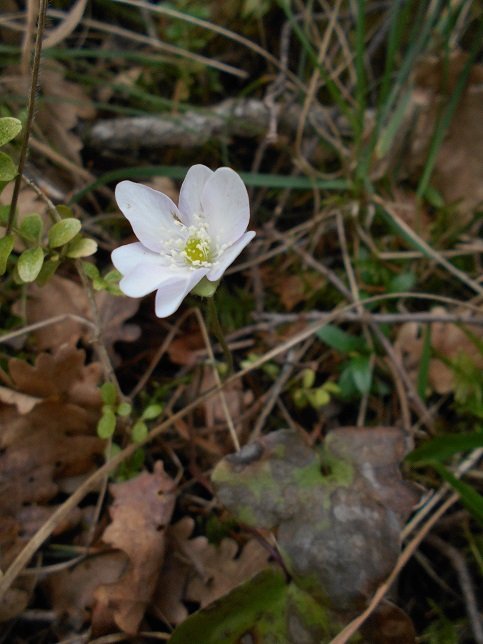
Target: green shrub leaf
<point x="361" y="373"/>
<point x="31" y="228"/>
<point x="340" y="340"/>
<point x="107" y="423"/>
<point x="29" y="264"/>
<point x="6" y="247"/>
<point x="8" y="169"/>
<point x="139" y="431"/>
<point x="63" y="232"/>
<point x="9" y="128"/>
<point x="81" y="247"/>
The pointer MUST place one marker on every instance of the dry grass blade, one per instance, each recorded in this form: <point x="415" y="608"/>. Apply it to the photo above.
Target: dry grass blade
<point x="67" y="26"/>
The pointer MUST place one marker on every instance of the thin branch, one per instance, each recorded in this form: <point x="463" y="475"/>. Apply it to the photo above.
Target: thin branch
<point x="30" y="112"/>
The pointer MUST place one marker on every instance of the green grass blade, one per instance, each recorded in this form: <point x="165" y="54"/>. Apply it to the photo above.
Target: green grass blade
<point x="443" y="447"/>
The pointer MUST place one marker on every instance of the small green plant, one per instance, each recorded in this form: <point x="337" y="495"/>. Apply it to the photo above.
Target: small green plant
<point x="307" y="394"/>
<point x="112" y="411"/>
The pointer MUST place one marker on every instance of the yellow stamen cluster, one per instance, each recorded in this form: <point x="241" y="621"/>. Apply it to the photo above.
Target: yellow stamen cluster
<point x="197" y="251"/>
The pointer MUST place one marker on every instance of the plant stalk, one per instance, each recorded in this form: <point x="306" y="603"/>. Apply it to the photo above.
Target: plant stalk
<point x="214" y="324"/>
<point x="30" y="111"/>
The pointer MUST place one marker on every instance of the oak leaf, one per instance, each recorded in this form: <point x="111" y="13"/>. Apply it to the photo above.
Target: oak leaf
<point x="141" y="510"/>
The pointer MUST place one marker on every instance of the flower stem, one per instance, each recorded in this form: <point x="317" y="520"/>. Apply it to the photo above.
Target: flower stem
<point x="214" y="324"/>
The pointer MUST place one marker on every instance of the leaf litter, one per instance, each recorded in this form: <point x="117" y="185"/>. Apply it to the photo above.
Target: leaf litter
<point x="318" y="527"/>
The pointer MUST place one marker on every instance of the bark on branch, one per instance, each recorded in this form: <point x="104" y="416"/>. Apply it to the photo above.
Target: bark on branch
<point x="233" y="117"/>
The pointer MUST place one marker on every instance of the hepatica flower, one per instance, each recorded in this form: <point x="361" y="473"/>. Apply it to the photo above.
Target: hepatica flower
<point x="186" y="247"/>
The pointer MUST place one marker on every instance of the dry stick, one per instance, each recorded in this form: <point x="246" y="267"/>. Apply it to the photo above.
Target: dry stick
<point x="381" y="318"/>
<point x="226" y="411"/>
<point x="459" y="564"/>
<point x="407" y="553"/>
<point x="69" y="504"/>
<point x="30" y="112"/>
<point x="43" y="323"/>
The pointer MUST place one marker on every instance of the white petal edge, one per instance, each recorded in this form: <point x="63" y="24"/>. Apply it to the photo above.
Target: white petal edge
<point x="226" y="206"/>
<point x="172" y="292"/>
<point x="145" y="278"/>
<point x="191" y="190"/>
<point x="150" y="213"/>
<point x="126" y="258"/>
<point x="229" y="255"/>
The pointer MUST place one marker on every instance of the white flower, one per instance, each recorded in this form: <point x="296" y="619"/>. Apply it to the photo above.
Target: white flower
<point x="180" y="246"/>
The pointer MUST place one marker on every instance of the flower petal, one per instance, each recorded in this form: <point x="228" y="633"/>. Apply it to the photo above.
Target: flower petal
<point x="190" y="192"/>
<point x="173" y="291"/>
<point x="144" y="279"/>
<point x="151" y="213"/>
<point x="127" y="257"/>
<point x="229" y="255"/>
<point x="226" y="206"/>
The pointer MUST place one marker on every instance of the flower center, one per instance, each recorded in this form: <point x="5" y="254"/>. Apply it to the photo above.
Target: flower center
<point x="197" y="251"/>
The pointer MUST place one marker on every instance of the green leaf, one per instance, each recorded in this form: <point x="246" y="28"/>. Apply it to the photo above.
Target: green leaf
<point x="340" y="340"/>
<point x="48" y="269"/>
<point x="107" y="423"/>
<point x="442" y="447"/>
<point x="9" y="128"/>
<point x="469" y="496"/>
<point x="152" y="411"/>
<point x="265" y="607"/>
<point x="346" y="383"/>
<point x="63" y="232"/>
<point x="4" y="213"/>
<point x="31" y="228"/>
<point x="109" y="393"/>
<point x="90" y="270"/>
<point x="6" y="247"/>
<point x="29" y="264"/>
<point x="362" y="373"/>
<point x="124" y="409"/>
<point x="402" y="283"/>
<point x="139" y="431"/>
<point x="81" y="247"/>
<point x="8" y="169"/>
<point x="64" y="211"/>
<point x="308" y="378"/>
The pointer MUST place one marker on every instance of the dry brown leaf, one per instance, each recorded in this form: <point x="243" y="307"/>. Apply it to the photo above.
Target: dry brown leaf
<point x="23" y="402"/>
<point x="237" y="400"/>
<point x="458" y="169"/>
<point x="170" y="590"/>
<point x="55" y="438"/>
<point x="198" y="571"/>
<point x="221" y="568"/>
<point x="141" y="511"/>
<point x="72" y="591"/>
<point x="447" y="339"/>
<point x="61" y="296"/>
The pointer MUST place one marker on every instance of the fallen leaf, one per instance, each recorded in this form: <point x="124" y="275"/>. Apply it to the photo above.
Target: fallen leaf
<point x="223" y="567"/>
<point x="23" y="402"/>
<point x="61" y="296"/>
<point x="447" y="339"/>
<point x="56" y="438"/>
<point x="72" y="591"/>
<point x="337" y="511"/>
<point x="141" y="510"/>
<point x="457" y="171"/>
